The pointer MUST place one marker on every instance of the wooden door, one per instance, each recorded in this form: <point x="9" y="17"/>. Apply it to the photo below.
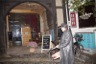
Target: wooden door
<point x="26" y="35"/>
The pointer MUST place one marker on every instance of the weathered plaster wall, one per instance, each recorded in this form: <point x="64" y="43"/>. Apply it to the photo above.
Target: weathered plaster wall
<point x="59" y="12"/>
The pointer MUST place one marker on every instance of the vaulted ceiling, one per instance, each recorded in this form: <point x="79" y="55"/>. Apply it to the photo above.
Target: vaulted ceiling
<point x="28" y="7"/>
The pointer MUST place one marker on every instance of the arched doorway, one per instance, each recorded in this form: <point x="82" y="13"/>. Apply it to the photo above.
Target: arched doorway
<point x="50" y="16"/>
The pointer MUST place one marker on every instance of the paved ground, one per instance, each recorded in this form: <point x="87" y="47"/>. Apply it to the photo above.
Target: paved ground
<point x="21" y="50"/>
<point x="22" y="55"/>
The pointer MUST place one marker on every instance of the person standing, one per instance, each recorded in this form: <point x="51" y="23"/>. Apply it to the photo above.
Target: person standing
<point x="66" y="46"/>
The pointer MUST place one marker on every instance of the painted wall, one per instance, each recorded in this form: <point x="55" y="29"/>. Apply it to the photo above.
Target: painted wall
<point x="76" y="28"/>
<point x="59" y="12"/>
<point x="84" y="31"/>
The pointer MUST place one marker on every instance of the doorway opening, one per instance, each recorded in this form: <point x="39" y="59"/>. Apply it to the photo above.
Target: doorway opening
<point x="26" y="21"/>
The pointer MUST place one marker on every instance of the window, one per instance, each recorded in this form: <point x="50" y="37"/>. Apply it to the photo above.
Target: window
<point x="90" y="22"/>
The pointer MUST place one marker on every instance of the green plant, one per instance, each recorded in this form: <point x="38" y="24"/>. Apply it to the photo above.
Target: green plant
<point x="79" y="5"/>
<point x="75" y="4"/>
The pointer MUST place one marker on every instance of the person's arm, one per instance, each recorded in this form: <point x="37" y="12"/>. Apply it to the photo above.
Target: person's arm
<point x="65" y="40"/>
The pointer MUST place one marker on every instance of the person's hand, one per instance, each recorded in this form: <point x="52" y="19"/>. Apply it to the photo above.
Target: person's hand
<point x="56" y="55"/>
<point x="57" y="46"/>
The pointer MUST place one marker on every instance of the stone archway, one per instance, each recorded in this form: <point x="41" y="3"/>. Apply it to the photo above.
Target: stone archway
<point x="8" y="5"/>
